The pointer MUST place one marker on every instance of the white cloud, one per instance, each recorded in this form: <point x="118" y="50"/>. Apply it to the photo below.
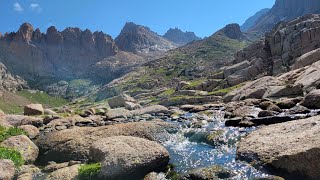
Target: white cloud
<point x="17" y="7"/>
<point x="35" y="7"/>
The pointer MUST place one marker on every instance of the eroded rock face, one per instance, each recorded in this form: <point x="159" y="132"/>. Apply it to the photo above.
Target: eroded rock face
<point x="74" y="144"/>
<point x="124" y="156"/>
<point x="65" y="54"/>
<point x="289" y="149"/>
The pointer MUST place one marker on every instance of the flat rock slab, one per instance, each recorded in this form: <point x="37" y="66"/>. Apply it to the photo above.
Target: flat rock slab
<point x="291" y="149"/>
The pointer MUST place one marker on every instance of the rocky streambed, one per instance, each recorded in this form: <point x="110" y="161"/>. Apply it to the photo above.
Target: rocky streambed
<point x="251" y="139"/>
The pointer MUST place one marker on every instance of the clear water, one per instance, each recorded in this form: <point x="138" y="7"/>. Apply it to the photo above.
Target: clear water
<point x="187" y="155"/>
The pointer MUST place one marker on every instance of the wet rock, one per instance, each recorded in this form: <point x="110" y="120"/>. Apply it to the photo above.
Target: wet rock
<point x="27" y="172"/>
<point x="312" y="100"/>
<point x="124" y="156"/>
<point x="286" y="104"/>
<point x="269" y="178"/>
<point x="32" y="131"/>
<point x="24" y="145"/>
<point x="279" y="147"/>
<point x="33" y="109"/>
<point x="212" y="173"/>
<point x="239" y="122"/>
<point x="120" y="101"/>
<point x="74" y="144"/>
<point x="213" y="138"/>
<point x="7" y="169"/>
<point x="274" y="107"/>
<point x="265" y="104"/>
<point x="155" y="176"/>
<point x="299" y="110"/>
<point x="266" y="113"/>
<point x="67" y="173"/>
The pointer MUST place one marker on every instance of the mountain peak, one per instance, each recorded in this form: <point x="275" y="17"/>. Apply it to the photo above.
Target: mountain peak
<point x="232" y="31"/>
<point x="25" y="32"/>
<point x="141" y="40"/>
<point x="177" y="36"/>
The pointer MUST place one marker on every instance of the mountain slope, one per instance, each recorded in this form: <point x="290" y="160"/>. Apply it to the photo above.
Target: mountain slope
<point x="142" y="41"/>
<point x="179" y="37"/>
<point x="285" y="10"/>
<point x="253" y="20"/>
<point x="195" y="61"/>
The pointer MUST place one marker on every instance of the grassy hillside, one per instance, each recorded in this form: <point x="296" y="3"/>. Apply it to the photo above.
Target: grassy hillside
<point x="13" y="103"/>
<point x="193" y="62"/>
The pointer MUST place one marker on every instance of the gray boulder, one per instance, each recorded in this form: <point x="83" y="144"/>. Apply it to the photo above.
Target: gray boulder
<point x="33" y="109"/>
<point x="289" y="149"/>
<point x="125" y="156"/>
<point x="120" y="101"/>
<point x="312" y="100"/>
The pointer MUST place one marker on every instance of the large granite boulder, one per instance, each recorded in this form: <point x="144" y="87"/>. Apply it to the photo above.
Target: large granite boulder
<point x="33" y="109"/>
<point x="288" y="149"/>
<point x="24" y="145"/>
<point x="124" y="156"/>
<point x="74" y="144"/>
<point x="120" y="101"/>
<point x="67" y="173"/>
<point x="312" y="100"/>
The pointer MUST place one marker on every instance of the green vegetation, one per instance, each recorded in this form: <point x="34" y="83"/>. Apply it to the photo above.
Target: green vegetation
<point x="167" y="93"/>
<point x="5" y="133"/>
<point x="226" y="90"/>
<point x="43" y="98"/>
<point x="171" y="173"/>
<point x="194" y="84"/>
<point x="13" y="155"/>
<point x="89" y="171"/>
<point x="10" y="107"/>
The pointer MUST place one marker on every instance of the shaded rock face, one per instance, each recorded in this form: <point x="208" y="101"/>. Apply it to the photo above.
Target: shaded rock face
<point x="288" y="149"/>
<point x="67" y="54"/>
<point x="253" y="20"/>
<point x="285" y="10"/>
<point x="141" y="40"/>
<point x="179" y="37"/>
<point x="232" y="31"/>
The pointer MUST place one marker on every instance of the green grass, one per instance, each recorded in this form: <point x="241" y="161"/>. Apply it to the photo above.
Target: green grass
<point x="194" y="84"/>
<point x="226" y="90"/>
<point x="43" y="98"/>
<point x="5" y="133"/>
<point x="10" y="107"/>
<point x="89" y="171"/>
<point x="13" y="155"/>
<point x="167" y="93"/>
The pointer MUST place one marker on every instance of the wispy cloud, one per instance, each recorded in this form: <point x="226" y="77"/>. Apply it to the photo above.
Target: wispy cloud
<point x="17" y="7"/>
<point x="35" y="7"/>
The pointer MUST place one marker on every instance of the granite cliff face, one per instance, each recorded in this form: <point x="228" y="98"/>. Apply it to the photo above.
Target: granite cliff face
<point x="179" y="37"/>
<point x="67" y="54"/>
<point x="285" y="10"/>
<point x="253" y="20"/>
<point x="142" y="41"/>
<point x="290" y="45"/>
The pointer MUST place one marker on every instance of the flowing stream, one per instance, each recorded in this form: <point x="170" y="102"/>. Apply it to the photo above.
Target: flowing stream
<point x="189" y="152"/>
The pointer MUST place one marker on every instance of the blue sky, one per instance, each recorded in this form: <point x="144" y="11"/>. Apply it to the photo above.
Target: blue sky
<point x="203" y="17"/>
